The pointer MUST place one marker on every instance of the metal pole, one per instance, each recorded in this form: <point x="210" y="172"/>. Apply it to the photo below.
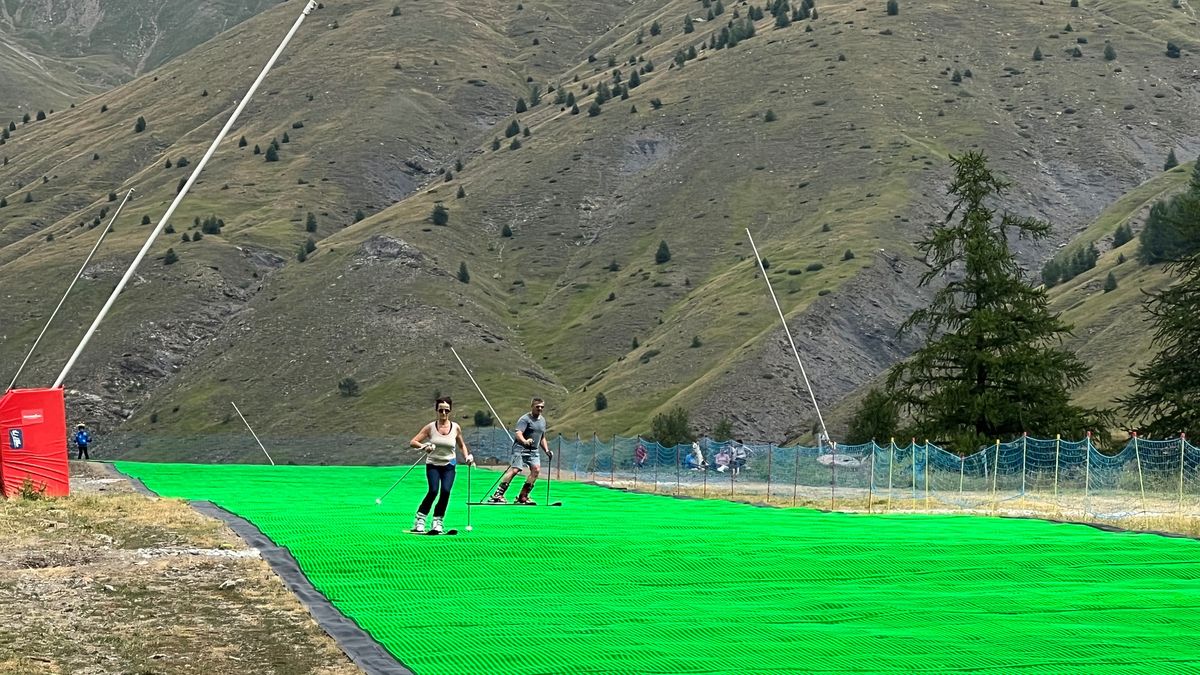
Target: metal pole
<point x="558" y="456"/>
<point x="1182" y="463"/>
<point x="613" y="466"/>
<point x="871" y="485"/>
<point x="78" y="274"/>
<point x="995" y="474"/>
<point x="1024" y="454"/>
<point x="1141" y="483"/>
<point x="239" y="412"/>
<point x="891" y="463"/>
<point x="1087" y="472"/>
<point x="926" y="474"/>
<point x="308" y="8"/>
<point x="1057" y="448"/>
<point x="769" y="453"/>
<point x="676" y="469"/>
<point x="796" y="475"/>
<point x="485" y="398"/>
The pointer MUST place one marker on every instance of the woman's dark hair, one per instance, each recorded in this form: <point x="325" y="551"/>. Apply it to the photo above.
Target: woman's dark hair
<point x="443" y="399"/>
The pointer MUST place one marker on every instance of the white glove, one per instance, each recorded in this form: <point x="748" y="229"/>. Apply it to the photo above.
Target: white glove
<point x="428" y="447"/>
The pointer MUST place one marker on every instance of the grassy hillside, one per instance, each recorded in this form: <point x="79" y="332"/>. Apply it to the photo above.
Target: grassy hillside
<point x="57" y="52"/>
<point x="864" y="111"/>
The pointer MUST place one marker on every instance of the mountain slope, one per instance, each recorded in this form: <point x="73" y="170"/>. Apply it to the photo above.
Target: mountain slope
<point x="835" y="189"/>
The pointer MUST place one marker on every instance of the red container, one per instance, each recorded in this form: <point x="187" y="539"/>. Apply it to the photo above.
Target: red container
<point x="33" y="441"/>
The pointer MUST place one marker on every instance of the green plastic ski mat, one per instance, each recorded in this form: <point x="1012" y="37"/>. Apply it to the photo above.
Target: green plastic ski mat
<point x="618" y="582"/>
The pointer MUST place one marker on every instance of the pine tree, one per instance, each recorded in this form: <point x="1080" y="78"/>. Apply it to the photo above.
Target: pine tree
<point x="461" y="193"/>
<point x="876" y="419"/>
<point x="601" y="401"/>
<point x="1167" y="391"/>
<point x="440" y="214"/>
<point x="688" y="27"/>
<point x="1037" y="53"/>
<point x="594" y="109"/>
<point x="663" y="254"/>
<point x="1172" y="50"/>
<point x="272" y="154"/>
<point x="513" y="128"/>
<point x="521" y="105"/>
<point x="1122" y="236"/>
<point x="310" y="245"/>
<point x="1171" y="162"/>
<point x="3" y="202"/>
<point x="170" y="257"/>
<point x="515" y="145"/>
<point x="286" y="138"/>
<point x="496" y="143"/>
<point x="1110" y="283"/>
<point x="506" y="231"/>
<point x="359" y="215"/>
<point x="140" y="125"/>
<point x="991" y="368"/>
<point x="41" y="115"/>
<point x="1110" y="53"/>
<point x="146" y="220"/>
<point x="463" y="275"/>
<point x="655" y="29"/>
<point x="28" y="197"/>
<point x="310" y="223"/>
<point x="242" y="143"/>
<point x="893" y="7"/>
<point x="770" y="116"/>
<point x="635" y="80"/>
<point x="257" y="150"/>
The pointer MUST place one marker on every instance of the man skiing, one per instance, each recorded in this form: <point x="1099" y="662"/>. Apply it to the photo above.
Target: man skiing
<point x="529" y="435"/>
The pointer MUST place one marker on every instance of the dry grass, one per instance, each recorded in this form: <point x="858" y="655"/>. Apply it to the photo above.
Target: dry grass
<point x="125" y="583"/>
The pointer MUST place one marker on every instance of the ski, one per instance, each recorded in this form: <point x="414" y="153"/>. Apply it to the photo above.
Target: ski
<point x="513" y="504"/>
<point x="435" y="534"/>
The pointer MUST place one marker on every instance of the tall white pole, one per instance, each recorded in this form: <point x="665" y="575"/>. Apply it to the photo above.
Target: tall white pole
<point x="485" y="398"/>
<point x="260" y="444"/>
<point x="78" y="274"/>
<point x="308" y="8"/>
<point x="788" y="333"/>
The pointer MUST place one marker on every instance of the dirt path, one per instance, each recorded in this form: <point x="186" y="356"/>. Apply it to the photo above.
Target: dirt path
<point x="111" y="581"/>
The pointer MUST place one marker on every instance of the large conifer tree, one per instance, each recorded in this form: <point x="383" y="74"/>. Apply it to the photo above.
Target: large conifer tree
<point x="992" y="367"/>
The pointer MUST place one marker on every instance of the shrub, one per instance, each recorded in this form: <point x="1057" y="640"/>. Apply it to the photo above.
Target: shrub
<point x="601" y="401"/>
<point x="440" y="214"/>
<point x="348" y="386"/>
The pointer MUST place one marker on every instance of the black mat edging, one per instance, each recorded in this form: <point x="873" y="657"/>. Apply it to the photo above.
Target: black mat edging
<point x="357" y="644"/>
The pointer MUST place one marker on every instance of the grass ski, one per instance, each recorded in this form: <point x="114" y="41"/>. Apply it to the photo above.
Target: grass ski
<point x="435" y="534"/>
<point x="513" y="504"/>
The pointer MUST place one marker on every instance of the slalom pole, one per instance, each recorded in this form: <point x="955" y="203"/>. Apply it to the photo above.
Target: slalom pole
<point x="239" y="412"/>
<point x="308" y="8"/>
<point x="88" y="259"/>
<point x="389" y="490"/>
<point x="469" y="467"/>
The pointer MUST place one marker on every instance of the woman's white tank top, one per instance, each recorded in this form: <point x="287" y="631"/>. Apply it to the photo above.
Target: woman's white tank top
<point x="446" y="444"/>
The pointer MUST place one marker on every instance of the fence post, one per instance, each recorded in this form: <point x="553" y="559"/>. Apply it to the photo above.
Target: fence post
<point x="558" y="455"/>
<point x="612" y="468"/>
<point x="1024" y="453"/>
<point x="769" y="453"/>
<point x="655" y="466"/>
<point x="962" y="472"/>
<point x="1057" y="447"/>
<point x="796" y="474"/>
<point x="913" y="447"/>
<point x="1182" y="463"/>
<point x="1137" y="453"/>
<point x="995" y="474"/>
<point x="595" y="453"/>
<point x="871" y="485"/>
<point x="1087" y="471"/>
<point x="926" y="474"/>
<point x="677" y="462"/>
<point x="891" y="463"/>
<point x="732" y="464"/>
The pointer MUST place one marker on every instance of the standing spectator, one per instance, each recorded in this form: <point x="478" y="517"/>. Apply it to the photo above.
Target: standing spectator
<point x="82" y="439"/>
<point x="639" y="456"/>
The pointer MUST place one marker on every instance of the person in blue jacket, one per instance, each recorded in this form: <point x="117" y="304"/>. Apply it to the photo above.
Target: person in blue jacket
<point x="82" y="439"/>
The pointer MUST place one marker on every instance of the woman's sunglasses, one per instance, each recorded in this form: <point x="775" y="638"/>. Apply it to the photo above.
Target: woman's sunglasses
<point x="443" y="410"/>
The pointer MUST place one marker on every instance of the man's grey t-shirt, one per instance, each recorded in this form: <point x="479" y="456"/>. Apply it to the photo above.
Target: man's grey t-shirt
<point x="531" y="429"/>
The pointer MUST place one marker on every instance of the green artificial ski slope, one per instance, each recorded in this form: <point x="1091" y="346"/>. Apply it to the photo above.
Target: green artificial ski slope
<point x="615" y="582"/>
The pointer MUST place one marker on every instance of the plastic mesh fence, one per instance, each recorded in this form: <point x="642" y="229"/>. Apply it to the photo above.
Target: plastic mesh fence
<point x="619" y="582"/>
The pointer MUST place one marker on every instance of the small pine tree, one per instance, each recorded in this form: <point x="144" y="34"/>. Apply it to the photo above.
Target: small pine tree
<point x="506" y="231"/>
<point x="635" y="80"/>
<point x="1171" y="162"/>
<point x="185" y="238"/>
<point x="515" y="145"/>
<point x="140" y="125"/>
<point x="286" y="138"/>
<point x="574" y="109"/>
<point x="655" y="29"/>
<point x="1110" y="53"/>
<point x="695" y="341"/>
<point x="1122" y="236"/>
<point x="1037" y="53"/>
<point x="310" y="245"/>
<point x="513" y="128"/>
<point x="440" y="214"/>
<point x="25" y="118"/>
<point x="310" y="223"/>
<point x="688" y="27"/>
<point x="521" y="105"/>
<point x="359" y="215"/>
<point x="461" y="193"/>
<point x="663" y="254"/>
<point x="956" y="77"/>
<point x="1110" y="283"/>
<point x="601" y="401"/>
<point x="1074" y="3"/>
<point x="1077" y="52"/>
<point x="458" y="165"/>
<point x="594" y="109"/>
<point x="770" y="116"/>
<point x="1172" y="50"/>
<point x="272" y="154"/>
<point x="634" y="344"/>
<point x="848" y="255"/>
<point x="112" y="196"/>
<point x="145" y="220"/>
<point x="257" y="150"/>
<point x="3" y="202"/>
<point x="526" y="132"/>
<point x="28" y="197"/>
<point x="396" y="10"/>
<point x="463" y="275"/>
<point x="893" y="8"/>
<point x="496" y="143"/>
<point x="41" y="115"/>
<point x="170" y="257"/>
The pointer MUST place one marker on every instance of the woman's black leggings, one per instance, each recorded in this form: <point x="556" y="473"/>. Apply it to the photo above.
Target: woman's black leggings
<point x="441" y="479"/>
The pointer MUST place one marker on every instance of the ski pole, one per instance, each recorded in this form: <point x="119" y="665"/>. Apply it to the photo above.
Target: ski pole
<point x="389" y="490"/>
